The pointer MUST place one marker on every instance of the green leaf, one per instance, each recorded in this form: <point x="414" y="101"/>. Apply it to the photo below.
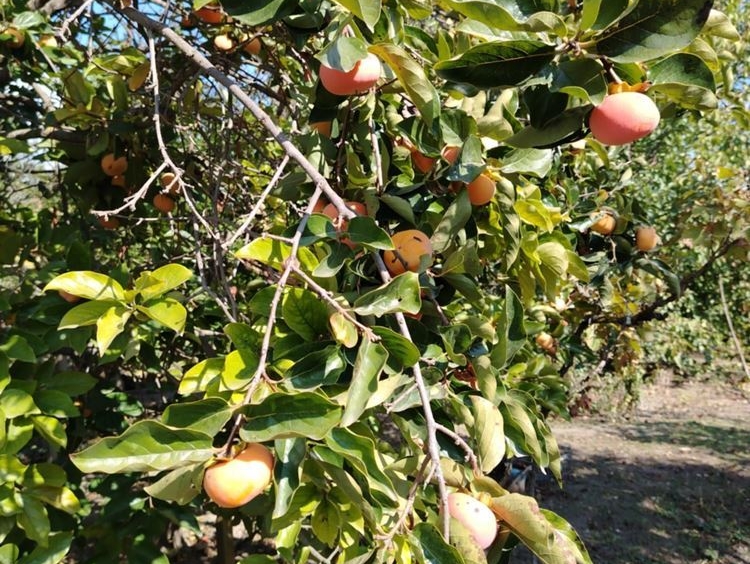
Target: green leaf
<point x="487" y="432"/>
<point x="57" y="547"/>
<point x="59" y="497"/>
<point x="599" y="14"/>
<point x="88" y="285"/>
<point x="109" y="325"/>
<point x="582" y="78"/>
<point x="556" y="131"/>
<point x="167" y="311"/>
<point x="16" y="347"/>
<point x="534" y="212"/>
<point x="319" y="368"/>
<point x="654" y="28"/>
<point x="274" y="253"/>
<point x="371" y="359"/>
<point x="360" y="452"/>
<point x="343" y="330"/>
<point x="164" y="279"/>
<point x="511" y="332"/>
<point x="427" y="541"/>
<point x="343" y="54"/>
<point x="34" y="520"/>
<point x="554" y="256"/>
<point x="454" y="219"/>
<point x="144" y="447"/>
<point x="513" y="15"/>
<point x="200" y="376"/>
<point x="499" y="64"/>
<point x="208" y="415"/>
<point x="305" y="313"/>
<point x="719" y="25"/>
<point x="519" y="427"/>
<point x="290" y="454"/>
<point x="400" y="294"/>
<point x="536" y="162"/>
<point x="280" y="416"/>
<point x="17" y="403"/>
<point x="180" y="485"/>
<point x="565" y="532"/>
<point x="398" y="346"/>
<point x="326" y="522"/>
<point x="412" y="77"/>
<point x="87" y="313"/>
<point x="364" y="231"/>
<point x="258" y="12"/>
<point x="686" y="80"/>
<point x="366" y="10"/>
<point x="243" y="336"/>
<point x="8" y="552"/>
<point x="463" y="541"/>
<point x="239" y="368"/>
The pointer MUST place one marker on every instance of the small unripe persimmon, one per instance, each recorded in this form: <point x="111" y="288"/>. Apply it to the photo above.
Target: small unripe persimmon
<point x="223" y="42"/>
<point x="546" y="342"/>
<point x="475" y="516"/>
<point x="363" y="76"/>
<point x="253" y="46"/>
<point x="49" y="41"/>
<point x="164" y="203"/>
<point x="114" y="166"/>
<point x="646" y="238"/>
<point x="605" y="225"/>
<point x="623" y="118"/>
<point x="422" y="163"/>
<point x="210" y="14"/>
<point x="68" y="297"/>
<point x="410" y="246"/>
<point x="450" y="154"/>
<point x="234" y="482"/>
<point x="481" y="190"/>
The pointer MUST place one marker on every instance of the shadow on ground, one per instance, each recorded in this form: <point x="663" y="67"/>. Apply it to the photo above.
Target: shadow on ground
<point x="658" y="493"/>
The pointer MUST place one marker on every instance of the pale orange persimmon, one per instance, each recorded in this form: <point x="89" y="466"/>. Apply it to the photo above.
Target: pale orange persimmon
<point x="605" y="225"/>
<point x="623" y="118"/>
<point x="363" y="76"/>
<point x="114" y="166"/>
<point x="481" y="190"/>
<point x="210" y="14"/>
<point x="234" y="482"/>
<point x="422" y="163"/>
<point x="475" y="516"/>
<point x="322" y="127"/>
<point x="49" y="41"/>
<point x="646" y="238"/>
<point x="68" y="297"/>
<point x="410" y="246"/>
<point x="546" y="342"/>
<point x="223" y="42"/>
<point x="109" y="222"/>
<point x="450" y="154"/>
<point x="164" y="203"/>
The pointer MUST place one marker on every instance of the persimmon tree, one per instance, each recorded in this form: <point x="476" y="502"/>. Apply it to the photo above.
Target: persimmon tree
<point x="203" y="247"/>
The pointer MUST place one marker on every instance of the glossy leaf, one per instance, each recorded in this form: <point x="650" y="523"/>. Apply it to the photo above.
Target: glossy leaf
<point x="89" y="285"/>
<point x="454" y="219"/>
<point x="686" y="80"/>
<point x="144" y="447"/>
<point x="366" y="10"/>
<point x="500" y="64"/>
<point x="398" y="346"/>
<point x="167" y="311"/>
<point x="259" y="12"/>
<point x="364" y="231"/>
<point x="511" y="332"/>
<point x="582" y="78"/>
<point x="305" y="313"/>
<point x="371" y="359"/>
<point x="319" y="368"/>
<point x="487" y="432"/>
<point x="180" y="485"/>
<point x="513" y="15"/>
<point x="400" y="294"/>
<point x="165" y="279"/>
<point x="110" y="325"/>
<point x="281" y="416"/>
<point x="208" y="415"/>
<point x="654" y="28"/>
<point x="87" y="313"/>
<point x="430" y="545"/>
<point x="52" y="552"/>
<point x="343" y="330"/>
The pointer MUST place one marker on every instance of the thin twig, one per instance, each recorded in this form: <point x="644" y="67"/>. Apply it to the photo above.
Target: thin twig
<point x="470" y="456"/>
<point x="410" y="498"/>
<point x="737" y="344"/>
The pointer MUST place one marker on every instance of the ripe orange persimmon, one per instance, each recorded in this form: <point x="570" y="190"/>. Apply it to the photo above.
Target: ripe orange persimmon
<point x="68" y="297"/>
<point x="119" y="181"/>
<point x="169" y="183"/>
<point x="475" y="516"/>
<point x="361" y="78"/>
<point x="342" y="224"/>
<point x="646" y="238"/>
<point x="320" y="205"/>
<point x="623" y="118"/>
<point x="164" y="203"/>
<point x="421" y="162"/>
<point x="223" y="42"/>
<point x="605" y="225"/>
<point x="234" y="482"/>
<point x="210" y="14"/>
<point x="322" y="127"/>
<point x="252" y="46"/>
<point x="410" y="246"/>
<point x="109" y="222"/>
<point x="114" y="166"/>
<point x="481" y="190"/>
<point x="450" y="153"/>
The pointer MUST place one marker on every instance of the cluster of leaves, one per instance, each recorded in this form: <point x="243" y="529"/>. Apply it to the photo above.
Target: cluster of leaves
<point x="373" y="392"/>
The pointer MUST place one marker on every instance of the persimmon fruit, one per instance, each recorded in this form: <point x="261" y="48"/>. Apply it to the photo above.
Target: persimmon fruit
<point x="450" y="154"/>
<point x="363" y="76"/>
<point x="605" y="225"/>
<point x="422" y="163"/>
<point x="481" y="190"/>
<point x="164" y="203"/>
<point x="223" y="42"/>
<point x="646" y="238"/>
<point x="17" y="37"/>
<point x="114" y="166"/>
<point x="410" y="246"/>
<point x="623" y="117"/>
<point x="251" y="46"/>
<point x="546" y="342"/>
<point x="475" y="516"/>
<point x="109" y="222"/>
<point x="169" y="183"/>
<point x="322" y="127"/>
<point x="68" y="297"/>
<point x="209" y="14"/>
<point x="119" y="181"/>
<point x="234" y="482"/>
<point x="341" y="223"/>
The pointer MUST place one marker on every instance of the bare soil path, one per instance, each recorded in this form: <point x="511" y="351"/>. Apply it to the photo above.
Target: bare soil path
<point x="670" y="484"/>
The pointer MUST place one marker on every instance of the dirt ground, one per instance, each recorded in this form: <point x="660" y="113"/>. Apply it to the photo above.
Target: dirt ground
<point x="669" y="484"/>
